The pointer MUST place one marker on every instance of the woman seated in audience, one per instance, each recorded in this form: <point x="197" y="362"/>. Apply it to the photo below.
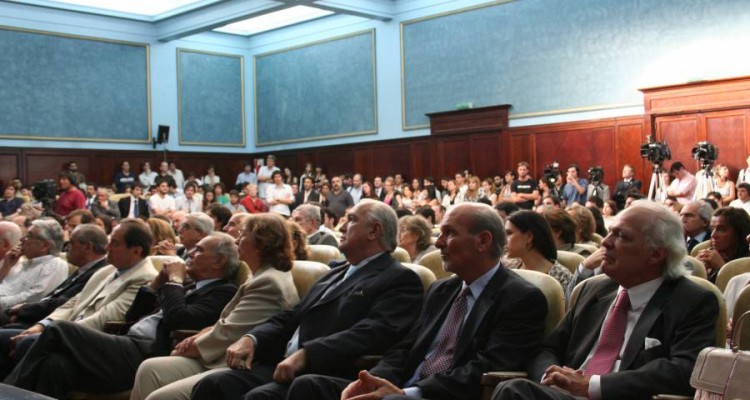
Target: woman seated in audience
<point x="288" y="178"/>
<point x="299" y="240"/>
<point x="162" y="232"/>
<point x="407" y="198"/>
<point x="529" y="239"/>
<point x="252" y="203"/>
<point x="585" y="223"/>
<point x="208" y="198"/>
<point x="368" y="192"/>
<point x="723" y="184"/>
<point x="506" y="189"/>
<point x="674" y="205"/>
<point x="564" y="231"/>
<point x="392" y="197"/>
<point x="729" y="228"/>
<point x="234" y="202"/>
<point x="330" y="220"/>
<point x="266" y="246"/>
<point x="221" y="197"/>
<point x="488" y="190"/>
<point x="325" y="188"/>
<point x="220" y="214"/>
<point x="473" y="193"/>
<point x="105" y="222"/>
<point x="415" y="236"/>
<point x="211" y="178"/>
<point x="601" y="227"/>
<point x="451" y="197"/>
<point x="431" y="193"/>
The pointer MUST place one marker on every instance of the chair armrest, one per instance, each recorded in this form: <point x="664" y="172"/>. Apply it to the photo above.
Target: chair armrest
<point x="117" y="327"/>
<point x="367" y="362"/>
<point x="670" y="397"/>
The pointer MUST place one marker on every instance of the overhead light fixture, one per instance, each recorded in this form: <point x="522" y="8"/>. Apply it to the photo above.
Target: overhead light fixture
<point x="151" y="9"/>
<point x="274" y="20"/>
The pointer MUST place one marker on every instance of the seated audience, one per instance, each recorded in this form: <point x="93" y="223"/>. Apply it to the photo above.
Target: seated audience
<point x="252" y="203"/>
<point x="391" y="196"/>
<point x="729" y="228"/>
<point x="743" y="197"/>
<point x="723" y="184"/>
<point x="530" y="241"/>
<point x="505" y="209"/>
<point x="103" y="205"/>
<point x="326" y="337"/>
<point x="162" y="202"/>
<point x="235" y="224"/>
<point x="696" y="221"/>
<point x="134" y="206"/>
<point x="564" y="230"/>
<point x="601" y="227"/>
<point x="220" y="215"/>
<point x="585" y="224"/>
<point x="220" y="194"/>
<point x="308" y="218"/>
<point x="105" y="222"/>
<point x="299" y="240"/>
<point x="211" y="178"/>
<point x="161" y="230"/>
<point x="42" y="270"/>
<point x="68" y="356"/>
<point x="189" y="202"/>
<point x="10" y="203"/>
<point x="265" y="246"/>
<point x="415" y="236"/>
<point x="196" y="227"/>
<point x="209" y="198"/>
<point x="234" y="202"/>
<point x="644" y="344"/>
<point x="451" y="197"/>
<point x="502" y="316"/>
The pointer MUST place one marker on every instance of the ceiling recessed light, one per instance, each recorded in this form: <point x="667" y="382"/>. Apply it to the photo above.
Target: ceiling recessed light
<point x="274" y="20"/>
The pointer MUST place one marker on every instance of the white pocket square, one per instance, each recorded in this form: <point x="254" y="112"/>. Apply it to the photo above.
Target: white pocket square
<point x="650" y="343"/>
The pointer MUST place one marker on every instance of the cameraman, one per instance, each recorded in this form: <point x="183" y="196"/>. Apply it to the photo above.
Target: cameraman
<point x="70" y="197"/>
<point x="684" y="184"/>
<point x="574" y="190"/>
<point x="627" y="185"/>
<point x="597" y="187"/>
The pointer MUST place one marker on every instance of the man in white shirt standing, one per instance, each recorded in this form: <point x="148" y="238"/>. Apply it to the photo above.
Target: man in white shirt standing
<point x="744" y="176"/>
<point x="41" y="272"/>
<point x="246" y="176"/>
<point x="743" y="197"/>
<point x="355" y="190"/>
<point x="161" y="202"/>
<point x="265" y="175"/>
<point x="179" y="177"/>
<point x="279" y="195"/>
<point x="147" y="176"/>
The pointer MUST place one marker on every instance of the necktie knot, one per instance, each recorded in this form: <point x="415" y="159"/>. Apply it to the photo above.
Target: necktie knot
<point x="623" y="300"/>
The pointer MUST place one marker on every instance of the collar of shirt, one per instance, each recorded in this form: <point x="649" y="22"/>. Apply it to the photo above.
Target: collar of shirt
<point x="121" y="272"/>
<point x="204" y="282"/>
<point x="641" y="294"/>
<point x="89" y="265"/>
<point x="39" y="260"/>
<point x="364" y="262"/>
<point x="477" y="287"/>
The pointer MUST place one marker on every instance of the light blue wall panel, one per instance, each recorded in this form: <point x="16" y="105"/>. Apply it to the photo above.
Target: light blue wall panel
<point x="72" y="88"/>
<point x="553" y="57"/>
<point x="316" y="91"/>
<point x="211" y="98"/>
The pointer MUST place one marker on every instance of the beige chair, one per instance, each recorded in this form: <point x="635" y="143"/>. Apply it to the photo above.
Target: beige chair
<point x="118" y="196"/>
<point x="741" y="306"/>
<point x="424" y="274"/>
<point x="699" y="269"/>
<point x="700" y="246"/>
<point x="569" y="260"/>
<point x="305" y="273"/>
<point x="590" y="248"/>
<point x="434" y="262"/>
<point x="730" y="270"/>
<point x="243" y="272"/>
<point x="721" y="322"/>
<point x="553" y="292"/>
<point x="401" y="255"/>
<point x="323" y="253"/>
<point x="597" y="238"/>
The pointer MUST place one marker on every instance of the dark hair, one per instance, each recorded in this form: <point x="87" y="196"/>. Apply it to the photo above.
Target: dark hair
<point x="542" y="240"/>
<point x="714" y="205"/>
<point x="273" y="175"/>
<point x="136" y="233"/>
<point x="427" y="213"/>
<point x="561" y="221"/>
<point x="507" y="207"/>
<point x="743" y="185"/>
<point x="86" y="216"/>
<point x="739" y="220"/>
<point x="613" y="206"/>
<point x="325" y="211"/>
<point x="596" y="200"/>
<point x="299" y="240"/>
<point x="191" y="185"/>
<point x="555" y="200"/>
<point x="601" y="229"/>
<point x="221" y="213"/>
<point x="272" y="238"/>
<point x="402" y="212"/>
<point x="574" y="165"/>
<point x="221" y="185"/>
<point x="676" y="166"/>
<point x="107" y="220"/>
<point x="69" y="176"/>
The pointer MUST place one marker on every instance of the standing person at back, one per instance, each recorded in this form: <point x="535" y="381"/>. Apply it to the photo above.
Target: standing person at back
<point x="339" y="200"/>
<point x="265" y="175"/>
<point x="524" y="190"/>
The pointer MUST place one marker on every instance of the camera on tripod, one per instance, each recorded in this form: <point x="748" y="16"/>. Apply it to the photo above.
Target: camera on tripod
<point x="596" y="175"/>
<point x="45" y="192"/>
<point x="551" y="174"/>
<point x="656" y="152"/>
<point x="705" y="153"/>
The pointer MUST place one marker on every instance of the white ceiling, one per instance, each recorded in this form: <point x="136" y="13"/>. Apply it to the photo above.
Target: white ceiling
<point x="179" y="18"/>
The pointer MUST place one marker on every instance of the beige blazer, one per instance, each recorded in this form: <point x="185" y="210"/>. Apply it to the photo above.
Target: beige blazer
<point x="262" y="296"/>
<point x="105" y="298"/>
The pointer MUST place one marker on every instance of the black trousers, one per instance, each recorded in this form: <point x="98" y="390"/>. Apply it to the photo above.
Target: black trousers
<point x="524" y="389"/>
<point x="321" y="387"/>
<point x="256" y="383"/>
<point x="68" y="356"/>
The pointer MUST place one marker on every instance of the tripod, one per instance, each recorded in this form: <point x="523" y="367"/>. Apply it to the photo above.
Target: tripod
<point x="657" y="191"/>
<point x="706" y="183"/>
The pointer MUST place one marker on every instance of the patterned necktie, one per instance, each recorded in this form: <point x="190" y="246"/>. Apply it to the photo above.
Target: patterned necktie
<point x="440" y="359"/>
<point x="611" y="339"/>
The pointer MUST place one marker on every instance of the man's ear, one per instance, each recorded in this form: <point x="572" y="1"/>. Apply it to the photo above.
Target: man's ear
<point x="484" y="241"/>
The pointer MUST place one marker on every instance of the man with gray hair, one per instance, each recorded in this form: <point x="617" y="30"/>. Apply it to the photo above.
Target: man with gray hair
<point x="41" y="271"/>
<point x="196" y="227"/>
<point x="696" y="219"/>
<point x="308" y="218"/>
<point x="362" y="306"/>
<point x="633" y="333"/>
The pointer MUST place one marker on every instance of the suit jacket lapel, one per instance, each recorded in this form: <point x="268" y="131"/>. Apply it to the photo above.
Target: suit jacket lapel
<point x="372" y="268"/>
<point x="481" y="306"/>
<point x="591" y="324"/>
<point x="445" y="295"/>
<point x="650" y="314"/>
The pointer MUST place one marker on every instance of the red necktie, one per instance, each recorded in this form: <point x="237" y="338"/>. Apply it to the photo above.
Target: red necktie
<point x="441" y="358"/>
<point x="611" y="339"/>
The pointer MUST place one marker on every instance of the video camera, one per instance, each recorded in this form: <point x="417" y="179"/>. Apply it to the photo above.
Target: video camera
<point x="706" y="153"/>
<point x="596" y="175"/>
<point x="656" y="152"/>
<point x="45" y="192"/>
<point x="551" y="174"/>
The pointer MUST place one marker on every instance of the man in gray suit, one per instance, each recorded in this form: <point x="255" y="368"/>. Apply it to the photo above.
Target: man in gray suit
<point x="635" y="332"/>
<point x="308" y="218"/>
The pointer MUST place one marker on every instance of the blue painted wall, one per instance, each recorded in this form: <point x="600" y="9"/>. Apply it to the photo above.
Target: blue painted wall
<point x="577" y="59"/>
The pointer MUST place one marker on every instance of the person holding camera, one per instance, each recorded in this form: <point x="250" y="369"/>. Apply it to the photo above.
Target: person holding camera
<point x="597" y="187"/>
<point x="574" y="190"/>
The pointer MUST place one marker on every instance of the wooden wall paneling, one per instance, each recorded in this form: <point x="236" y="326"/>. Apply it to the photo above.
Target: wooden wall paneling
<point x="727" y="131"/>
<point x="8" y="168"/>
<point x="420" y="160"/>
<point x="681" y="133"/>
<point x="363" y="163"/>
<point x="454" y="154"/>
<point x="629" y="135"/>
<point x="336" y="161"/>
<point x="521" y="149"/>
<point x="486" y="158"/>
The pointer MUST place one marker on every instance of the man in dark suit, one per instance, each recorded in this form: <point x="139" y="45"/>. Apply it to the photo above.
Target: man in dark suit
<point x="696" y="221"/>
<point x="307" y="194"/>
<point x="635" y="332"/>
<point x="502" y="323"/>
<point x="360" y="307"/>
<point x="308" y="217"/>
<point x="68" y="356"/>
<point x="88" y="252"/>
<point x="134" y="206"/>
<point x="628" y="184"/>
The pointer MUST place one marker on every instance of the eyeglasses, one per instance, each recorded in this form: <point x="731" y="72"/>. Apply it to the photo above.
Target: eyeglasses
<point x="184" y="227"/>
<point x="29" y="236"/>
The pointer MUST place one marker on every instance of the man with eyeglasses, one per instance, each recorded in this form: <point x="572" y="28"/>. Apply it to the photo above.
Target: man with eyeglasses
<point x="196" y="227"/>
<point x="41" y="271"/>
